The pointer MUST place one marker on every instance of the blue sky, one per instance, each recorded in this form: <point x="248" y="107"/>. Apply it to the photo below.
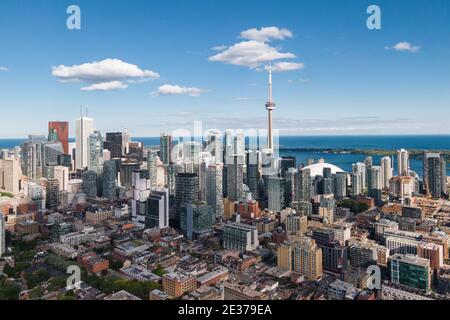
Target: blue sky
<point x="347" y="79"/>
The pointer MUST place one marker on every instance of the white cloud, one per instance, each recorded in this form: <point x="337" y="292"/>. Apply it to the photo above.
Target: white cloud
<point x="105" y="74"/>
<point x="286" y="66"/>
<point x="105" y="86"/>
<point x="404" y="47"/>
<point x="169" y="90"/>
<point x="266" y="34"/>
<point x="219" y="48"/>
<point x="250" y="54"/>
<point x="4" y="69"/>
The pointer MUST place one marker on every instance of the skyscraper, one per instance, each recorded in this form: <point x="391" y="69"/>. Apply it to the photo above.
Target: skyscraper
<point x="235" y="179"/>
<point x="360" y="167"/>
<point x="109" y="183"/>
<point x="284" y="256"/>
<point x="90" y="183"/>
<point x="229" y="146"/>
<point x="158" y="209"/>
<point x="290" y="176"/>
<point x="30" y="157"/>
<point x="214" y="144"/>
<point x="2" y="234"/>
<point x="357" y="184"/>
<point x="165" y="142"/>
<point x="403" y="162"/>
<point x="95" y="151"/>
<point x="214" y="190"/>
<point x="52" y="193"/>
<point x="141" y="192"/>
<point x="114" y="143"/>
<point x="275" y="192"/>
<point x="127" y="168"/>
<point x="286" y="163"/>
<point x="253" y="174"/>
<point x="340" y="185"/>
<point x="435" y="174"/>
<point x="186" y="192"/>
<point x="61" y="174"/>
<point x="307" y="258"/>
<point x="152" y="167"/>
<point x="10" y="175"/>
<point x="270" y="106"/>
<point x="59" y="131"/>
<point x="303" y="192"/>
<point x="386" y="171"/>
<point x="84" y="128"/>
<point x="239" y="144"/>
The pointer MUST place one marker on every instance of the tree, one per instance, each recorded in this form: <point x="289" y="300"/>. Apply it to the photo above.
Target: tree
<point x="9" y="290"/>
<point x="37" y="277"/>
<point x="9" y="271"/>
<point x="57" y="283"/>
<point x="159" y="271"/>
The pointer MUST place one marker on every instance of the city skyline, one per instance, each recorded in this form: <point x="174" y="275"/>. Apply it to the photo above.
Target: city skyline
<point x="381" y="81"/>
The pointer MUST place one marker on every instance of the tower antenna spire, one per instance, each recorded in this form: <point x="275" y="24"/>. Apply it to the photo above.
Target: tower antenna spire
<point x="270" y="106"/>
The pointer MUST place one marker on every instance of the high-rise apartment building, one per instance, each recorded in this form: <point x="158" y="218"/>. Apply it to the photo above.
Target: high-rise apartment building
<point x="186" y="192"/>
<point x="357" y="184"/>
<point x="432" y="252"/>
<point x="141" y="192"/>
<point x="95" y="152"/>
<point x="214" y="188"/>
<point x="61" y="174"/>
<point x="235" y="179"/>
<point x="386" y="171"/>
<point x="360" y="168"/>
<point x="152" y="167"/>
<point x="10" y="174"/>
<point x="435" y="174"/>
<point x="296" y="224"/>
<point x="109" y="181"/>
<point x="403" y="162"/>
<point x="275" y="193"/>
<point x="253" y="174"/>
<point x="165" y="148"/>
<point x="307" y="257"/>
<point x="303" y="181"/>
<point x="284" y="256"/>
<point x="89" y="178"/>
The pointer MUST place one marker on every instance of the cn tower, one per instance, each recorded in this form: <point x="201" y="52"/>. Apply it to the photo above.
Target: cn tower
<point x="270" y="106"/>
